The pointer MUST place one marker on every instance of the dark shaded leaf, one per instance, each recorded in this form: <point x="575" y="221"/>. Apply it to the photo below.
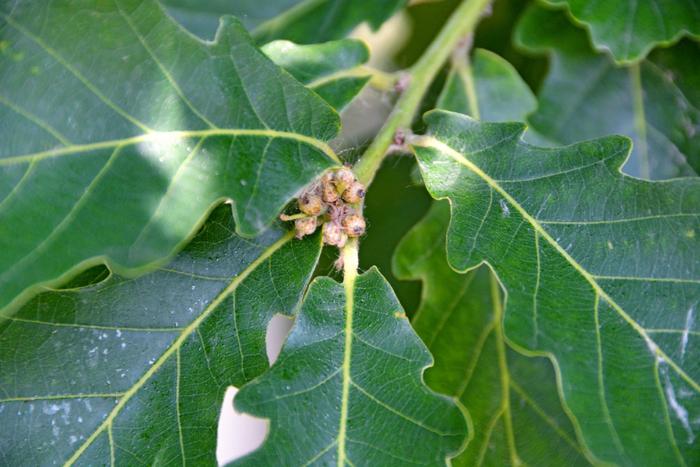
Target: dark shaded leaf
<point x="301" y="21"/>
<point x="586" y="95"/>
<point x="512" y="400"/>
<point x="631" y="28"/>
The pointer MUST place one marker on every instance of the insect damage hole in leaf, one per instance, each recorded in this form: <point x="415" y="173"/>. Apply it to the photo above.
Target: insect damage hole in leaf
<point x="141" y="370"/>
<point x="349" y="357"/>
<point x="239" y="434"/>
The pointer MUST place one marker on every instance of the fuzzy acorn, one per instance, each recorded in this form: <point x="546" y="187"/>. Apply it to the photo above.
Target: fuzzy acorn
<point x="333" y="234"/>
<point x="343" y="178"/>
<point x="305" y="226"/>
<point x="354" y="193"/>
<point x="354" y="225"/>
<point x="310" y="204"/>
<point x="328" y="191"/>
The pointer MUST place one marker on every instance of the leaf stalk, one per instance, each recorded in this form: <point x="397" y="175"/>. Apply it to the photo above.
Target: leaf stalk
<point x="421" y="74"/>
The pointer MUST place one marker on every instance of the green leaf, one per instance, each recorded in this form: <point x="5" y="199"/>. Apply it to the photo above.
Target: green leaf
<point x="588" y="257"/>
<point x="512" y="400"/>
<point x="679" y="63"/>
<point x="485" y="87"/>
<point x="333" y="70"/>
<point x="488" y="89"/>
<point x="146" y="130"/>
<point x="349" y="379"/>
<point x="301" y="21"/>
<point x="586" y="95"/>
<point x="631" y="28"/>
<point x="134" y="371"/>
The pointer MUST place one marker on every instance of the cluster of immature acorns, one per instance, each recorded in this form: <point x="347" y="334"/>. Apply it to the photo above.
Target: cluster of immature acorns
<point x="327" y="202"/>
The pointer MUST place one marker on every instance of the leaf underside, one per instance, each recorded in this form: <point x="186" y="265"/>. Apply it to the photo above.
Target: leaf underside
<point x="148" y="130"/>
<point x="349" y="378"/>
<point x="631" y="28"/>
<point x="122" y="372"/>
<point x="588" y="257"/>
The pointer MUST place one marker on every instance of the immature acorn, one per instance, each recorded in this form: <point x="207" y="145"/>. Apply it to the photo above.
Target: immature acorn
<point x="354" y="193"/>
<point x="354" y="225"/>
<point x="343" y="177"/>
<point x="310" y="204"/>
<point x="305" y="226"/>
<point x="328" y="190"/>
<point x="333" y="234"/>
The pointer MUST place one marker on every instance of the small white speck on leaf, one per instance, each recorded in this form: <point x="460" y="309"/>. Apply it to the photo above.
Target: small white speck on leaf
<point x="505" y="210"/>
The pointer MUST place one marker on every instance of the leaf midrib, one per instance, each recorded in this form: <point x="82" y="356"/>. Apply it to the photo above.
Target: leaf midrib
<point x="504" y="370"/>
<point x="350" y="260"/>
<point x="212" y="131"/>
<point x="169" y="136"/>
<point x="429" y="141"/>
<point x="176" y="345"/>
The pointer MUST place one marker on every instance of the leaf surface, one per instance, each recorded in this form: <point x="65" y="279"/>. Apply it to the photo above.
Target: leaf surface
<point x="146" y="131"/>
<point x="334" y="70"/>
<point x="301" y="21"/>
<point x="631" y="28"/>
<point x="349" y="378"/>
<point x="134" y="370"/>
<point x="587" y="95"/>
<point x="512" y="399"/>
<point x="588" y="257"/>
<point x="486" y="87"/>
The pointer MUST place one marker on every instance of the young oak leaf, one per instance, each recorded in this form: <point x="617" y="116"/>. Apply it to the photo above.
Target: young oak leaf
<point x="349" y="380"/>
<point x="630" y="28"/>
<point x="587" y="95"/>
<point x="334" y="70"/>
<point x="588" y="257"/>
<point x="121" y="132"/>
<point x="512" y="400"/>
<point x="486" y="87"/>
<point x="134" y="370"/>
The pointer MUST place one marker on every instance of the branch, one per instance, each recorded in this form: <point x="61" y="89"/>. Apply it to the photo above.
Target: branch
<point x="420" y="75"/>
